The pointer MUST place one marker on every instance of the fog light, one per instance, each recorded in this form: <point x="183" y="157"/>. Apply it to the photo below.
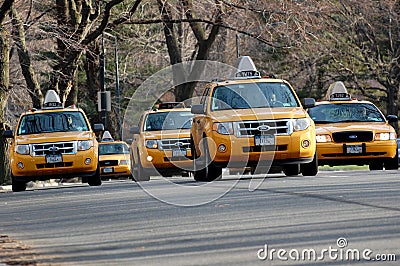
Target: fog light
<point x="149" y="158"/>
<point x="20" y="165"/>
<point x="88" y="161"/>
<point x="305" y="143"/>
<point x="221" y="148"/>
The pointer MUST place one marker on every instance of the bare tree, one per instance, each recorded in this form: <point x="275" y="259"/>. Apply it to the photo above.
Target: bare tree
<point x="4" y="87"/>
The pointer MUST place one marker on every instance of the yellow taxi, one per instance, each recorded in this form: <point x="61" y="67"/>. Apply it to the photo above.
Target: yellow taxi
<point x="53" y="142"/>
<point x="252" y="121"/>
<point x="114" y="158"/>
<point x="353" y="132"/>
<point x="161" y="142"/>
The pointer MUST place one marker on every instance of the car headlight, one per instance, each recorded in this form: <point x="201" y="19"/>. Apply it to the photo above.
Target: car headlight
<point x="124" y="162"/>
<point x="225" y="128"/>
<point x="300" y="124"/>
<point x="84" y="145"/>
<point x="323" y="138"/>
<point x="22" y="149"/>
<point x="151" y="144"/>
<point x="385" y="136"/>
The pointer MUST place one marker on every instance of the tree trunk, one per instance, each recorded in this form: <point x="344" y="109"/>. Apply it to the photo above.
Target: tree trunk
<point x="4" y="92"/>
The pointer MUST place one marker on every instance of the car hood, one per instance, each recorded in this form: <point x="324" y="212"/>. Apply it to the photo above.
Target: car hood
<point x="54" y="137"/>
<point x="167" y="134"/>
<point x="351" y="126"/>
<point x="108" y="157"/>
<point x="259" y="114"/>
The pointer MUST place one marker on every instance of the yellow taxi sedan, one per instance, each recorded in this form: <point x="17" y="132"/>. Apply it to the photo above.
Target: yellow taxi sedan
<point x="114" y="159"/>
<point x="353" y="132"/>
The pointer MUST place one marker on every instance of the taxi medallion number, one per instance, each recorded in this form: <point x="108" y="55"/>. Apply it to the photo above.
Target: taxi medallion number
<point x="264" y="140"/>
<point x="178" y="152"/>
<point x="354" y="149"/>
<point x="107" y="170"/>
<point x="53" y="158"/>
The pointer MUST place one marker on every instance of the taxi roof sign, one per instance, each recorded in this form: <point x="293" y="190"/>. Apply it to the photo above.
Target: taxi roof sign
<point x="52" y="100"/>
<point x="246" y="68"/>
<point x="338" y="92"/>
<point x="107" y="137"/>
<point x="171" y="105"/>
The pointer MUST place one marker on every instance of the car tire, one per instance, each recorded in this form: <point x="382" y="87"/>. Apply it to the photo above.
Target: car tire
<point x="17" y="186"/>
<point x="139" y="175"/>
<point x="207" y="170"/>
<point x="291" y="169"/>
<point x="375" y="165"/>
<point x="392" y="164"/>
<point x="95" y="180"/>
<point x="310" y="169"/>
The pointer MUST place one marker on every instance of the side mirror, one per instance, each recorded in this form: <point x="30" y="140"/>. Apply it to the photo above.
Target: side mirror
<point x="128" y="141"/>
<point x="8" y="134"/>
<point x="308" y="102"/>
<point x="134" y="130"/>
<point x="197" y="109"/>
<point x="392" y="118"/>
<point x="98" y="127"/>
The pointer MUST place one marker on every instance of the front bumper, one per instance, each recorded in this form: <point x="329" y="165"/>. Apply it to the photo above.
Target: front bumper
<point x="30" y="168"/>
<point x="336" y="153"/>
<point x="288" y="149"/>
<point x="164" y="159"/>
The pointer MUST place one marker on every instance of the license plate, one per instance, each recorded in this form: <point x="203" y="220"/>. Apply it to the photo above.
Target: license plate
<point x="108" y="170"/>
<point x="354" y="149"/>
<point x="178" y="152"/>
<point x="264" y="140"/>
<point x="53" y="158"/>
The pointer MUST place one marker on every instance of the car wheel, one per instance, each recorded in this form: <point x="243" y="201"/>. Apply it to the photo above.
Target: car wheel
<point x="291" y="170"/>
<point x="310" y="169"/>
<point x="392" y="164"/>
<point x="140" y="174"/>
<point x="207" y="170"/>
<point x="95" y="180"/>
<point x="17" y="186"/>
<point x="376" y="165"/>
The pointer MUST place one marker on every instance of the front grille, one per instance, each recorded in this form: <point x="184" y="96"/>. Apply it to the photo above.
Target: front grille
<point x="353" y="136"/>
<point x="109" y="163"/>
<point x="169" y="144"/>
<point x="55" y="147"/>
<point x="53" y="165"/>
<point x="265" y="148"/>
<point x="180" y="158"/>
<point x="251" y="128"/>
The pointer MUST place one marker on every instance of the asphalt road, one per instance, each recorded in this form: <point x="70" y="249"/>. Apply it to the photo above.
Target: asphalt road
<point x="322" y="220"/>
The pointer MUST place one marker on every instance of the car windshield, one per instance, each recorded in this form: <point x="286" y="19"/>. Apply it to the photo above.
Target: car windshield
<point x="168" y="120"/>
<point x="253" y="95"/>
<point x="345" y="112"/>
<point x="117" y="148"/>
<point x="52" y="122"/>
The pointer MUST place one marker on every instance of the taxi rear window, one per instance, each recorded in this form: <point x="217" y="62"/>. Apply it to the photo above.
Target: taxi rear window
<point x="345" y="112"/>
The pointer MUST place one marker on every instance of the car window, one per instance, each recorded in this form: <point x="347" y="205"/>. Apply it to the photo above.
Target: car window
<point x="253" y="95"/>
<point x="119" y="148"/>
<point x="168" y="121"/>
<point x="52" y="122"/>
<point x="345" y="112"/>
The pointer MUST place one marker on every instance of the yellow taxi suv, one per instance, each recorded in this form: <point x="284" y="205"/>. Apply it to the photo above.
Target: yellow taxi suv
<point x="53" y="142"/>
<point x="252" y="121"/>
<point x="114" y="158"/>
<point x="353" y="132"/>
<point x="161" y="142"/>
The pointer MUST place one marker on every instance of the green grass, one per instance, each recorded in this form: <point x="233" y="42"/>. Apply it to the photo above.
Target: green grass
<point x="343" y="168"/>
